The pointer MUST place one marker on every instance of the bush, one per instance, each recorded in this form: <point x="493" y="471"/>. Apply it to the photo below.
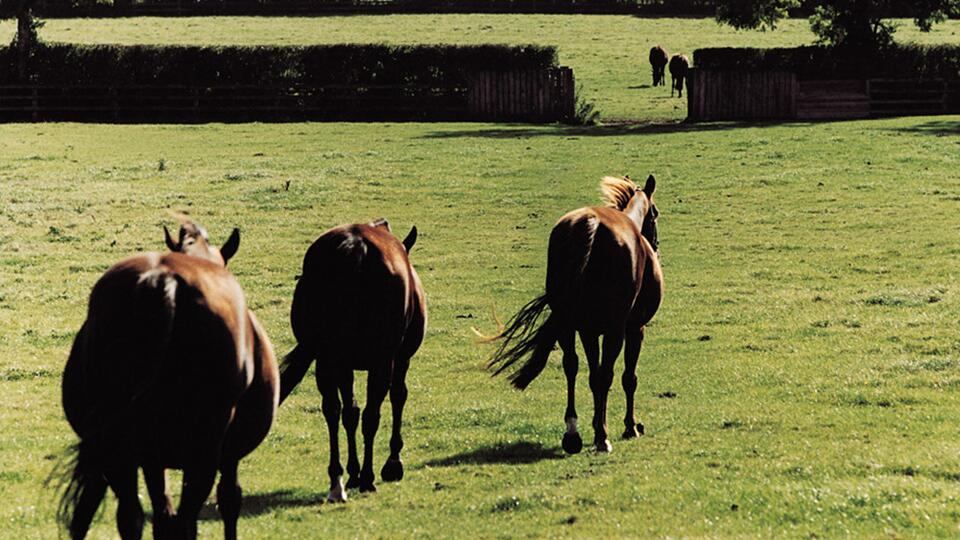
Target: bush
<point x="357" y="65"/>
<point x="820" y="62"/>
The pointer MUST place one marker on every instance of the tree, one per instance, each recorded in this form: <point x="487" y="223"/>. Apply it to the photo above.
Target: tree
<point x="26" y="39"/>
<point x="861" y="23"/>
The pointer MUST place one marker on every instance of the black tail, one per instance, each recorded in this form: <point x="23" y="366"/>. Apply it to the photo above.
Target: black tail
<point x="524" y="336"/>
<point x="81" y="481"/>
<point x="292" y="369"/>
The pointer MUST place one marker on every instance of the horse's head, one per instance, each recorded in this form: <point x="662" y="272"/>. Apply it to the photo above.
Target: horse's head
<point x="623" y="194"/>
<point x="194" y="241"/>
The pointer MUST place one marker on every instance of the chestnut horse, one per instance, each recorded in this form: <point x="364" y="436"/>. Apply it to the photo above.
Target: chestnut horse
<point x="358" y="305"/>
<point x="170" y="370"/>
<point x="603" y="279"/>
<point x="658" y="61"/>
<point x="679" y="65"/>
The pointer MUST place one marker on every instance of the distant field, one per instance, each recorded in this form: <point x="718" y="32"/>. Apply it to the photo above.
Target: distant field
<point x="608" y="53"/>
<point x="809" y="333"/>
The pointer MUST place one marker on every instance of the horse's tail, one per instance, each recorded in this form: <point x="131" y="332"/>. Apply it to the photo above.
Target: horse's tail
<point x="292" y="369"/>
<point x="524" y="336"/>
<point x="79" y="474"/>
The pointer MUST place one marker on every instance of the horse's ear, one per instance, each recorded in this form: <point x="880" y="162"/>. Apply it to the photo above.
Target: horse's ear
<point x="411" y="239"/>
<point x="171" y="245"/>
<point x="650" y="186"/>
<point x="230" y="247"/>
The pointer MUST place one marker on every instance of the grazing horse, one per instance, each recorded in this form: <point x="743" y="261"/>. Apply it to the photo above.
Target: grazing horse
<point x="603" y="279"/>
<point x="358" y="305"/>
<point x="679" y="64"/>
<point x="170" y="370"/>
<point x="658" y="61"/>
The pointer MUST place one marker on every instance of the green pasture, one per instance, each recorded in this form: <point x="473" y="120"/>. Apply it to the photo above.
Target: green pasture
<point x="808" y="336"/>
<point x="802" y="378"/>
<point x="608" y="54"/>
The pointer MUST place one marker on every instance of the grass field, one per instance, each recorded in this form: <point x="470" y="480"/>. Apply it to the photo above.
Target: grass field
<point x="801" y="379"/>
<point x="608" y="54"/>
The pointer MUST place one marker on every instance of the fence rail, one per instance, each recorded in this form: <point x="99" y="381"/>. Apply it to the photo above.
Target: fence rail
<point x="716" y="94"/>
<point x="529" y="96"/>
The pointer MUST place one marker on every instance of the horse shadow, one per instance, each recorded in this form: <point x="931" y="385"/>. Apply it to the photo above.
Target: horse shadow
<point x="517" y="453"/>
<point x="639" y="87"/>
<point x="256" y="504"/>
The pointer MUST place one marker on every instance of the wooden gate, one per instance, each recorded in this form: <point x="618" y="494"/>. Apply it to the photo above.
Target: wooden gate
<point x="740" y="95"/>
<point x="522" y="96"/>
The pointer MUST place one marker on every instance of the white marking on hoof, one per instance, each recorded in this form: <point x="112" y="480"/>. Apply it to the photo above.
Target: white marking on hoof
<point x="571" y="425"/>
<point x="338" y="493"/>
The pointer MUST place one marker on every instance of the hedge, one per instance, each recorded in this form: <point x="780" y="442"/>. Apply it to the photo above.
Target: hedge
<point x="356" y="65"/>
<point x="819" y="62"/>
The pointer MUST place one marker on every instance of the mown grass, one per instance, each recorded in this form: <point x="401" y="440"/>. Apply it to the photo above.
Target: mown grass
<point x="801" y="378"/>
<point x="608" y="53"/>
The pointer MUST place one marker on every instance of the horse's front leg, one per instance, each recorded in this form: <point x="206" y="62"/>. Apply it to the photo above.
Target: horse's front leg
<point x="634" y="340"/>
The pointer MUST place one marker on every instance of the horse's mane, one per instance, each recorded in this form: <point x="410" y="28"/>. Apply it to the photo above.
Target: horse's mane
<point x="617" y="192"/>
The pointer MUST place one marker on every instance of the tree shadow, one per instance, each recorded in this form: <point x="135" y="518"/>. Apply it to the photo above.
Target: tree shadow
<point x="509" y="453"/>
<point x="256" y="504"/>
<point x="618" y="129"/>
<point x="939" y="128"/>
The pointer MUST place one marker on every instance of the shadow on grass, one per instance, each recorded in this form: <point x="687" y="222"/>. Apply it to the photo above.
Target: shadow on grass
<point x="509" y="453"/>
<point x="256" y="504"/>
<point x="520" y="131"/>
<point x="939" y="128"/>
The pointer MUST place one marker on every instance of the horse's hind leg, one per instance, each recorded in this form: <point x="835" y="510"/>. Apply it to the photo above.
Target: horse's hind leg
<point x="160" y="502"/>
<point x="392" y="470"/>
<point x="197" y="483"/>
<point x="229" y="498"/>
<point x="123" y="480"/>
<point x="351" y="419"/>
<point x="327" y="384"/>
<point x="572" y="442"/>
<point x="600" y="381"/>
<point x="377" y="385"/>
<point x="634" y="340"/>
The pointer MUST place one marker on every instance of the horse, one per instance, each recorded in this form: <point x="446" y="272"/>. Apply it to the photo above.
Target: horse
<point x="169" y="370"/>
<point x="358" y="306"/>
<point x="603" y="279"/>
<point x="658" y="61"/>
<point x="679" y="65"/>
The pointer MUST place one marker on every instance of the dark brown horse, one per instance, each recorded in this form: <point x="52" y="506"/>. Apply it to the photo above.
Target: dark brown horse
<point x="603" y="279"/>
<point x="679" y="65"/>
<point x="169" y="371"/>
<point x="358" y="306"/>
<point x="658" y="61"/>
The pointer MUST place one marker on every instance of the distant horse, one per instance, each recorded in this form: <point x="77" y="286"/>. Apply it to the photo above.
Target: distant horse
<point x="170" y="370"/>
<point x="658" y="61"/>
<point x="603" y="279"/>
<point x="679" y="64"/>
<point x="358" y="305"/>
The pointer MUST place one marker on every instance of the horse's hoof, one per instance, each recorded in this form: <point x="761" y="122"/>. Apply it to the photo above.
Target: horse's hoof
<point x="572" y="443"/>
<point x="367" y="487"/>
<point x="392" y="471"/>
<point x="338" y="493"/>
<point x="353" y="482"/>
<point x="604" y="446"/>
<point x="630" y="433"/>
<point x="640" y="428"/>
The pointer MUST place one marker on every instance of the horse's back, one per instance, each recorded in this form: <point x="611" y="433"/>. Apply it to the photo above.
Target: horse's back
<point x="165" y="343"/>
<point x="595" y="267"/>
<point x="358" y="294"/>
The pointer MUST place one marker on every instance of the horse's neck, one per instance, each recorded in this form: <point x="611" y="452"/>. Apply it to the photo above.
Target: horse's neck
<point x="634" y="211"/>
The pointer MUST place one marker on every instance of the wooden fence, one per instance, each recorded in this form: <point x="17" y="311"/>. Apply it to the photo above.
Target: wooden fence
<point x="779" y="95"/>
<point x="544" y="96"/>
<point x="529" y="96"/>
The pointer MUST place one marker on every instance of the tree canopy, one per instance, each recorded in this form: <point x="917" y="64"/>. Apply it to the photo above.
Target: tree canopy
<point x="840" y="22"/>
